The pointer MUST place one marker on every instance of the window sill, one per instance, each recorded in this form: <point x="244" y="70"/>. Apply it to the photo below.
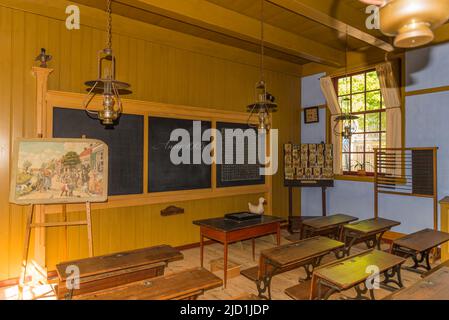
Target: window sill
<point x="355" y="178"/>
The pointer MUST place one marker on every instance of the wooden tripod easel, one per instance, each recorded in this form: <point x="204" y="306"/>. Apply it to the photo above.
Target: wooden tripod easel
<point x="30" y="225"/>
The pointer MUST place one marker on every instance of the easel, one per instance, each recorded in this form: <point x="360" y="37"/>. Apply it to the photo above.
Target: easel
<point x="30" y="225"/>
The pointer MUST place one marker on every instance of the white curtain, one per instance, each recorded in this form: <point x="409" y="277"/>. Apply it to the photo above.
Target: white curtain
<point x="328" y="89"/>
<point x="392" y="101"/>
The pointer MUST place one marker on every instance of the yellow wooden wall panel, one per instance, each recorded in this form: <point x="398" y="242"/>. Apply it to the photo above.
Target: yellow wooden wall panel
<point x="158" y="73"/>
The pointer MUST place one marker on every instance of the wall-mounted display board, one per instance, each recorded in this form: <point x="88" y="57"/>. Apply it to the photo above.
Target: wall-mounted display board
<point x="244" y="172"/>
<point x="164" y="174"/>
<point x="46" y="171"/>
<point x="125" y="141"/>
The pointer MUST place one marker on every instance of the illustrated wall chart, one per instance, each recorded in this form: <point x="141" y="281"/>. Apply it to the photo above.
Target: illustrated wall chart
<point x="308" y="162"/>
<point x="46" y="171"/>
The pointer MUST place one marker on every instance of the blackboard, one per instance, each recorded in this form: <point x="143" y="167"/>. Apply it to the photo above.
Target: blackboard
<point x="163" y="174"/>
<point x="231" y="175"/>
<point x="125" y="142"/>
<point x="422" y="172"/>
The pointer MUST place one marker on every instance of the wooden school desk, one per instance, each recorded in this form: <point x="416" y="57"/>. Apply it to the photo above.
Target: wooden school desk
<point x="369" y="231"/>
<point x="330" y="225"/>
<point x="306" y="253"/>
<point x="351" y="272"/>
<point x="418" y="246"/>
<point x="227" y="231"/>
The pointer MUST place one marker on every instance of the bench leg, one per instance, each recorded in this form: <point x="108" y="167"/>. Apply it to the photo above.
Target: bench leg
<point x="323" y="291"/>
<point x="264" y="287"/>
<point x="418" y="259"/>
<point x="349" y="245"/>
<point x="390" y="276"/>
<point x="361" y="290"/>
<point x="310" y="267"/>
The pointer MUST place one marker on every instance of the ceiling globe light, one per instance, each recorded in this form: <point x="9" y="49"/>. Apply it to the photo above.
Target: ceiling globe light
<point x="411" y="22"/>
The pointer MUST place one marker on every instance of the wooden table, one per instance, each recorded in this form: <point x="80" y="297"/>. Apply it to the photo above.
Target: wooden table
<point x="418" y="246"/>
<point x="112" y="270"/>
<point x="351" y="272"/>
<point x="185" y="285"/>
<point x="433" y="287"/>
<point x="227" y="231"/>
<point x="306" y="253"/>
<point x="369" y="231"/>
<point x="330" y="226"/>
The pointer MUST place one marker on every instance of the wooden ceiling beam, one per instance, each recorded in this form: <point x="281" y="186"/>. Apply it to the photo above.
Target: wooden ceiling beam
<point x="209" y="16"/>
<point x="319" y="15"/>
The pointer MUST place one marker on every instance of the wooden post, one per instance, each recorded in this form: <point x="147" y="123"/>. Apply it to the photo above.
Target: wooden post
<point x="89" y="229"/>
<point x="376" y="196"/>
<point x="269" y="177"/>
<point x="41" y="75"/>
<point x="290" y="209"/>
<point x="26" y="249"/>
<point x="323" y="199"/>
<point x="435" y="189"/>
<point x="65" y="241"/>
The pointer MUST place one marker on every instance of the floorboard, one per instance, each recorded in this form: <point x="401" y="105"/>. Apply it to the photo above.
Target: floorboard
<point x="241" y="253"/>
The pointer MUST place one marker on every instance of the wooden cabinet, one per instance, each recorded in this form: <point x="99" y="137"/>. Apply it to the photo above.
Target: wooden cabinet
<point x="444" y="204"/>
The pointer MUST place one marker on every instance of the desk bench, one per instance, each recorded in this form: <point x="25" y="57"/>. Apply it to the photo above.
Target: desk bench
<point x="351" y="272"/>
<point x="368" y="231"/>
<point x="186" y="285"/>
<point x="306" y="253"/>
<point x="102" y="272"/>
<point x="418" y="246"/>
<point x="330" y="226"/>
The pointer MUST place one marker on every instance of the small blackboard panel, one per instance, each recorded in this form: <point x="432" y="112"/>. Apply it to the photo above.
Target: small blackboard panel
<point x="163" y="173"/>
<point x="125" y="142"/>
<point x="422" y="172"/>
<point x="233" y="175"/>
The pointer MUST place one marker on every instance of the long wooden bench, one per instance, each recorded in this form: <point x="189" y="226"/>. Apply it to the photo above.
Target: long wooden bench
<point x="186" y="285"/>
<point x="103" y="272"/>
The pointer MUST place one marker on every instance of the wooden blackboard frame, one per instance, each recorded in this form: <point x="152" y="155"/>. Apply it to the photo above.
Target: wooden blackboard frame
<point x="75" y="101"/>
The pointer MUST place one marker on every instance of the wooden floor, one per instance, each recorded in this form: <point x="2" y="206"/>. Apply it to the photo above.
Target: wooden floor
<point x="239" y="253"/>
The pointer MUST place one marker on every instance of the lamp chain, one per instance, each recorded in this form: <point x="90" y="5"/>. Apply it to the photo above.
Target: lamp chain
<point x="262" y="40"/>
<point x="109" y="11"/>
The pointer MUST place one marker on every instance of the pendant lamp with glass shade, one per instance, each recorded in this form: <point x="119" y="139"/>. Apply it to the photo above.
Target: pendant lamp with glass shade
<point x="106" y="84"/>
<point x="264" y="101"/>
<point x="345" y="123"/>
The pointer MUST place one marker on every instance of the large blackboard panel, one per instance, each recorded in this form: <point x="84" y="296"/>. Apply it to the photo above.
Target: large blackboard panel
<point x="163" y="175"/>
<point x="125" y="142"/>
<point x="232" y="175"/>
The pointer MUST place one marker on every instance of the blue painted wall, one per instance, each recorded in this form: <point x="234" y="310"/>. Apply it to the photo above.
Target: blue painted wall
<point x="427" y="125"/>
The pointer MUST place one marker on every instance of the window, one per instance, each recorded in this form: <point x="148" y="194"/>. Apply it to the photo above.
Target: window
<point x="359" y="94"/>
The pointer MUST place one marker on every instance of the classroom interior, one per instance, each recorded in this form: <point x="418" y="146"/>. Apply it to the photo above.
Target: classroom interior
<point x="224" y="150"/>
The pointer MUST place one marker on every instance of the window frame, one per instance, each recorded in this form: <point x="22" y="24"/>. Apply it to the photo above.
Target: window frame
<point x="365" y="112"/>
